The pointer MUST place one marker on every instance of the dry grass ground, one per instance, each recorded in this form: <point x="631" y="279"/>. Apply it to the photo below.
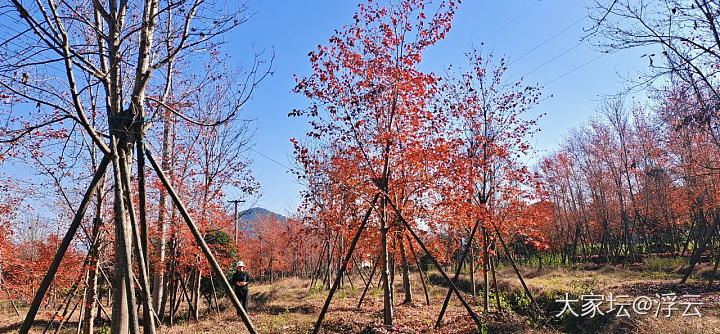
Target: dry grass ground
<point x="289" y="306"/>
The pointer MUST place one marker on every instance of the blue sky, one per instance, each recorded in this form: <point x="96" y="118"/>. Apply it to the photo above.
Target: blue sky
<point x="577" y="76"/>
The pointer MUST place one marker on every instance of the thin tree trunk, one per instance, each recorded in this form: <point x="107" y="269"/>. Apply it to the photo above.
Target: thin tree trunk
<point x="82" y="309"/>
<point x="385" y="270"/>
<point x="486" y="267"/>
<point x="196" y="299"/>
<point x="703" y="246"/>
<point x="318" y="267"/>
<point x="359" y="269"/>
<point x="517" y="272"/>
<point x="64" y="319"/>
<point x="328" y="264"/>
<point x="92" y="281"/>
<point x="420" y="270"/>
<point x="214" y="293"/>
<point x="65" y="306"/>
<point x="471" y="271"/>
<point x="173" y="289"/>
<point x="12" y="302"/>
<point x="493" y="269"/>
<point x="188" y="298"/>
<point x="392" y="271"/>
<point x="405" y="273"/>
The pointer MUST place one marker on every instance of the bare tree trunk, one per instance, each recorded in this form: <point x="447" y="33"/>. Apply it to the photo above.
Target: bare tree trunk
<point x="359" y="270"/>
<point x="144" y="253"/>
<point x="64" y="306"/>
<point x="701" y="249"/>
<point x="188" y="299"/>
<point x="12" y="302"/>
<point x="471" y="270"/>
<point x="405" y="273"/>
<point x="318" y="267"/>
<point x="168" y="282"/>
<point x="172" y="295"/>
<point x="123" y="312"/>
<point x="93" y="268"/>
<point x="196" y="297"/>
<point x="453" y="287"/>
<point x="493" y="269"/>
<point x="214" y="294"/>
<point x="159" y="282"/>
<point x="64" y="319"/>
<point x="420" y="270"/>
<point x="517" y="272"/>
<point x="385" y="270"/>
<point x="82" y="309"/>
<point x="486" y="267"/>
<point x="328" y="264"/>
<point x="2" y="287"/>
<point x="136" y="241"/>
<point x="393" y="266"/>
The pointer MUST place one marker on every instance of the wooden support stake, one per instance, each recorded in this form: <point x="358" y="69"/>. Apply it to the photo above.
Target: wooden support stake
<point x="201" y="242"/>
<point x="369" y="282"/>
<point x="362" y="276"/>
<point x="55" y="264"/>
<point x="438" y="323"/>
<point x="148" y="312"/>
<point x="339" y="275"/>
<point x="420" y="270"/>
<point x="437" y="265"/>
<point x="517" y="272"/>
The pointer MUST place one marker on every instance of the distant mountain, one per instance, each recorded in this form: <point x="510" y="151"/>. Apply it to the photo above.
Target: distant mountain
<point x="248" y="219"/>
<point x="254" y="214"/>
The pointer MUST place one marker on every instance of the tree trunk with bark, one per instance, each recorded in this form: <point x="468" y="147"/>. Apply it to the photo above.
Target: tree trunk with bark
<point x="405" y="273"/>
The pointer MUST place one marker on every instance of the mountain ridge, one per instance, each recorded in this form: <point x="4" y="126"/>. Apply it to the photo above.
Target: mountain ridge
<point x="255" y="213"/>
<point x="250" y="218"/>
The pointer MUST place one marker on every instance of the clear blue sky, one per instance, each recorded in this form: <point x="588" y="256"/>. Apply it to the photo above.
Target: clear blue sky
<point x="507" y="28"/>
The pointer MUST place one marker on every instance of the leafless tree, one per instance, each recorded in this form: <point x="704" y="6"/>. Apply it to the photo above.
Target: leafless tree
<point x="55" y="55"/>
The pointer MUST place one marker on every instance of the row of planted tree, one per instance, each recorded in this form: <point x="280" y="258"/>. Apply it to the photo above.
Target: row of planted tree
<point x="397" y="156"/>
<point x="399" y="162"/>
<point x="636" y="180"/>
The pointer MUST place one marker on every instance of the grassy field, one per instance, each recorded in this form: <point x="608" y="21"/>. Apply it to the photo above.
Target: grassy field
<point x="289" y="306"/>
